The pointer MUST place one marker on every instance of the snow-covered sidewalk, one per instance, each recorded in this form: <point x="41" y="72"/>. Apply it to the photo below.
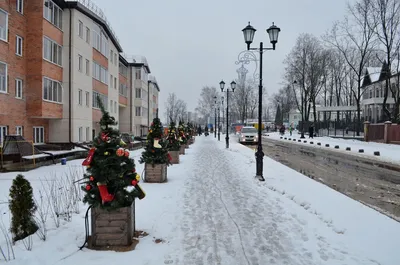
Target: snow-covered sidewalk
<point x="388" y="152"/>
<point x="213" y="211"/>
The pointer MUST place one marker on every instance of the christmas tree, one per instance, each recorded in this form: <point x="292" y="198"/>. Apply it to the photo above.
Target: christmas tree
<point x="173" y="143"/>
<point x="110" y="171"/>
<point x="182" y="133"/>
<point x="155" y="151"/>
<point x="22" y="207"/>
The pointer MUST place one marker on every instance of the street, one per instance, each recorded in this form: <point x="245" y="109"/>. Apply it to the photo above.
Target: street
<point x="375" y="184"/>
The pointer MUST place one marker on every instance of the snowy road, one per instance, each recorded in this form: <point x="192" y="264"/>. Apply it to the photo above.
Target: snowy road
<point x="228" y="219"/>
<point x="357" y="177"/>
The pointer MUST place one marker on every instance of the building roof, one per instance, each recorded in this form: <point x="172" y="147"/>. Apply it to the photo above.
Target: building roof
<point x="153" y="80"/>
<point x="137" y="61"/>
<point x="88" y="8"/>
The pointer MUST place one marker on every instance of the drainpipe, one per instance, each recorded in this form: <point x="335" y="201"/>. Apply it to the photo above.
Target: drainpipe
<point x="148" y="105"/>
<point x="131" y="100"/>
<point x="70" y="79"/>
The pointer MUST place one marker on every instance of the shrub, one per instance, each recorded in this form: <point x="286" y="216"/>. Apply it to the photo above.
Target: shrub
<point x="22" y="207"/>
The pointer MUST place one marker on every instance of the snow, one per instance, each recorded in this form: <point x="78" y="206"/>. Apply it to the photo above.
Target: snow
<point x="213" y="211"/>
<point x="388" y="152"/>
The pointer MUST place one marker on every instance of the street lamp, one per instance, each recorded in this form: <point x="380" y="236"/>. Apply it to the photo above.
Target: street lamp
<point x="217" y="110"/>
<point x="248" y="34"/>
<point x="222" y="86"/>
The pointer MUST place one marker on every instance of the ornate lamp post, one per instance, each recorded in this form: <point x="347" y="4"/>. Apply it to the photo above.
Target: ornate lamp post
<point x="217" y="110"/>
<point x="215" y="118"/>
<point x="222" y="86"/>
<point x="248" y="33"/>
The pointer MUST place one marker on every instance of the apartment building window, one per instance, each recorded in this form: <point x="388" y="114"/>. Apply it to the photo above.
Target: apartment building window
<point x="87" y="35"/>
<point x="138" y="93"/>
<point x="111" y="80"/>
<point x="115" y="58"/>
<point x="87" y="98"/>
<point x="80" y="29"/>
<point x="137" y="111"/>
<point x="18" y="45"/>
<point x="3" y="25"/>
<point x="111" y="106"/>
<point x="52" y="13"/>
<point x="87" y="67"/>
<point x="19" y="130"/>
<point x="3" y="77"/>
<point x="80" y="95"/>
<point x="80" y="62"/>
<point x="80" y="134"/>
<point x="52" y="90"/>
<point x="38" y="135"/>
<point x="52" y="51"/>
<point x="115" y="107"/>
<point x="138" y="73"/>
<point x="123" y="70"/>
<point x="87" y="134"/>
<point x="103" y="98"/>
<point x="3" y="133"/>
<point x="100" y="73"/>
<point x="115" y="83"/>
<point x="123" y="90"/>
<point x="100" y="41"/>
<point x="18" y="88"/>
<point x="111" y="56"/>
<point x="20" y="6"/>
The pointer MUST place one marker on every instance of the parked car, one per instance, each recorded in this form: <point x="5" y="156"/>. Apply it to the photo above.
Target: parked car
<point x="248" y="134"/>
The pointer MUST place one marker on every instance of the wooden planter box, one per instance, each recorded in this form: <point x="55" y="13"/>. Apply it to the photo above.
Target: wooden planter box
<point x="156" y="173"/>
<point x="182" y="150"/>
<point x="175" y="157"/>
<point x="112" y="228"/>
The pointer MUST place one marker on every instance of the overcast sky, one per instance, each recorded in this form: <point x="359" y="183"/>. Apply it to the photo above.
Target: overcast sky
<point x="190" y="44"/>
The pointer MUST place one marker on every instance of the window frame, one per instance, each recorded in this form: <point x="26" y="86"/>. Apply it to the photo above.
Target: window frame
<point x="5" y="39"/>
<point x="19" y="84"/>
<point x="80" y="62"/>
<point x="19" y="128"/>
<point x="51" y="18"/>
<point x="5" y="78"/>
<point x="19" y="45"/>
<point x="53" y="44"/>
<point x="80" y="97"/>
<point x="80" y="29"/>
<point x="59" y="92"/>
<point x="87" y="99"/>
<point x="20" y="6"/>
<point x="41" y="131"/>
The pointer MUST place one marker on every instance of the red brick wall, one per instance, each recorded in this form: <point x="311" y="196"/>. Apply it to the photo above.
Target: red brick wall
<point x="30" y="68"/>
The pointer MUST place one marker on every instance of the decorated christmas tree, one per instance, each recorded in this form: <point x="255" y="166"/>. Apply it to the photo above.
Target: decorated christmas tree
<point x="111" y="181"/>
<point x="156" y="150"/>
<point x="182" y="133"/>
<point x="173" y="143"/>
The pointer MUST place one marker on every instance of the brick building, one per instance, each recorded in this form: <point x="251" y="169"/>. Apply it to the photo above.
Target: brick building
<point x="56" y="57"/>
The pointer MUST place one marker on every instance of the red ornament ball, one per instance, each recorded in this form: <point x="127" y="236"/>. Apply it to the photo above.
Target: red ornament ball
<point x="134" y="182"/>
<point x="88" y="187"/>
<point x="127" y="153"/>
<point x="120" y="152"/>
<point x="91" y="178"/>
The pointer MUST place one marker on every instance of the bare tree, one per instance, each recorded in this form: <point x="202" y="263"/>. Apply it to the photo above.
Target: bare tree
<point x="354" y="39"/>
<point x="175" y="108"/>
<point x="386" y="14"/>
<point x="305" y="66"/>
<point x="206" y="101"/>
<point x="285" y="98"/>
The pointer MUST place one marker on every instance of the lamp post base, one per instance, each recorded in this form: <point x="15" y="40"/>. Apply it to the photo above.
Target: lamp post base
<point x="227" y="141"/>
<point x="219" y="136"/>
<point x="259" y="164"/>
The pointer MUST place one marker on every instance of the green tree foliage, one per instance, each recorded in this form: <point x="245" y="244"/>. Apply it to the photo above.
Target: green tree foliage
<point x="110" y="171"/>
<point x="173" y="143"/>
<point x="182" y="133"/>
<point x="156" y="150"/>
<point x="22" y="207"/>
<point x="278" y="116"/>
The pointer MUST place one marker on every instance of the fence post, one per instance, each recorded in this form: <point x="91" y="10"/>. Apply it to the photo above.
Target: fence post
<point x="366" y="130"/>
<point x="386" y="139"/>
